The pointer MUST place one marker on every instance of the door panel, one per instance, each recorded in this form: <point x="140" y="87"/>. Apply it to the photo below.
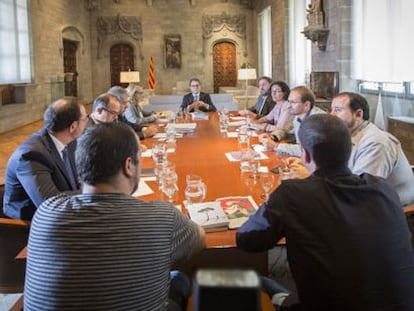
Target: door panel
<point x="69" y="66"/>
<point x="224" y="65"/>
<point x="122" y="59"/>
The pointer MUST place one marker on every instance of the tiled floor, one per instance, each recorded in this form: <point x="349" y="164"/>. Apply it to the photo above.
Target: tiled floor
<point x="6" y="301"/>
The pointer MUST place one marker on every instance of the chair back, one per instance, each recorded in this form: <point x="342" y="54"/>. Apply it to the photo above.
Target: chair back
<point x="13" y="238"/>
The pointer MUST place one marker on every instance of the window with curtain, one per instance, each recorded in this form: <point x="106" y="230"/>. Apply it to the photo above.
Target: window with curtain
<point x="265" y="42"/>
<point x="15" y="61"/>
<point x="383" y="49"/>
<point x="299" y="46"/>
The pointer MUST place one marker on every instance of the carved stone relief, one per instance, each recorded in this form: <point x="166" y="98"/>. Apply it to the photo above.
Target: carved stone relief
<point x="116" y="28"/>
<point x="224" y="22"/>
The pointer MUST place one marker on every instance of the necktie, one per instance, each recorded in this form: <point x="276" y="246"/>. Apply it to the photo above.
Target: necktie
<point x="196" y="97"/>
<point x="68" y="167"/>
<point x="261" y="107"/>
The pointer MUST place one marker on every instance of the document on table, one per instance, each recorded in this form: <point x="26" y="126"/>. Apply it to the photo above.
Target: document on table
<point x="236" y="156"/>
<point x="143" y="189"/>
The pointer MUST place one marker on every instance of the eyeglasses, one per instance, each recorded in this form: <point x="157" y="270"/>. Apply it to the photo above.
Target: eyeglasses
<point x="195" y="85"/>
<point x="294" y="102"/>
<point x="114" y="113"/>
<point x="276" y="91"/>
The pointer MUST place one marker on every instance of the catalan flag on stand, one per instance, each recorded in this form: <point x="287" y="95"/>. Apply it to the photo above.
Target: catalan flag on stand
<point x="151" y="75"/>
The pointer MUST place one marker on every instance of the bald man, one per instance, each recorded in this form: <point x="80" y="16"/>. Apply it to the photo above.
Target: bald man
<point x="43" y="166"/>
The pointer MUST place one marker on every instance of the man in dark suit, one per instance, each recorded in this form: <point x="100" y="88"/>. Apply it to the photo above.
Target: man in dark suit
<point x="196" y="99"/>
<point x="43" y="166"/>
<point x="264" y="103"/>
<point x="121" y="94"/>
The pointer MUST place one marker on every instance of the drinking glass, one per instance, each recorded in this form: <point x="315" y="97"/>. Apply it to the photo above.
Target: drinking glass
<point x="267" y="181"/>
<point x="224" y="123"/>
<point x="159" y="153"/>
<point x="169" y="185"/>
<point x="254" y="165"/>
<point x="243" y="138"/>
<point x="170" y="137"/>
<point x="196" y="190"/>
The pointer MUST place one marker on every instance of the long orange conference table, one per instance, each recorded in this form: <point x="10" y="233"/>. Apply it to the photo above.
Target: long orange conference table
<point x="203" y="153"/>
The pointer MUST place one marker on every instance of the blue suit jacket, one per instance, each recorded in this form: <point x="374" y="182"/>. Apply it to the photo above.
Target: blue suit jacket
<point x="188" y="100"/>
<point x="35" y="172"/>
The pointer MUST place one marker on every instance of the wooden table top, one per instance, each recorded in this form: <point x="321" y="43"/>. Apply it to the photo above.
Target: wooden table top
<point x="203" y="153"/>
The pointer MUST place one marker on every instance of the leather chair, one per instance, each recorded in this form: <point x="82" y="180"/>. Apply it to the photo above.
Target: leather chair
<point x="13" y="238"/>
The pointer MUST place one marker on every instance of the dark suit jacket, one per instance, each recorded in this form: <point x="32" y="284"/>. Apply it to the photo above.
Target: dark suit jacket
<point x="188" y="99"/>
<point x="35" y="172"/>
<point x="268" y="106"/>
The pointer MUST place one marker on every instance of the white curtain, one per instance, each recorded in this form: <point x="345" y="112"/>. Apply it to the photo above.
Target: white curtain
<point x="265" y="42"/>
<point x="382" y="39"/>
<point x="299" y="46"/>
<point x="15" y="65"/>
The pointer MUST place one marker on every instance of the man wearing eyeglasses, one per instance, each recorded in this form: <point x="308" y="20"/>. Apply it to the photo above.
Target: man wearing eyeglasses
<point x="106" y="108"/>
<point x="121" y="94"/>
<point x="301" y="105"/>
<point x="197" y="100"/>
<point x="44" y="165"/>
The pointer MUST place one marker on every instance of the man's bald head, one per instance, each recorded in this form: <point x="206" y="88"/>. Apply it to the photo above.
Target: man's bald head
<point x="60" y="114"/>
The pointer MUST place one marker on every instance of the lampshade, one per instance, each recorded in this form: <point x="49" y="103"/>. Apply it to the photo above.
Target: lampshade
<point x="246" y="74"/>
<point x="129" y="76"/>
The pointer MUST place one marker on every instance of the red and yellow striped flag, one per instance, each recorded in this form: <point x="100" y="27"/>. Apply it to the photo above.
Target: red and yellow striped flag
<point x="151" y="75"/>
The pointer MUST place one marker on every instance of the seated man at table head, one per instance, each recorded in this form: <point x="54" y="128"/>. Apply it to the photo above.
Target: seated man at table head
<point x="265" y="103"/>
<point x="44" y="165"/>
<point x="302" y="105"/>
<point x="105" y="249"/>
<point x="197" y="99"/>
<point x="143" y="131"/>
<point x="374" y="151"/>
<point x="348" y="243"/>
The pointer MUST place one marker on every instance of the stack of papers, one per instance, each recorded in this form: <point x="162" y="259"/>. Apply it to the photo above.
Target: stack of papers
<point x="184" y="127"/>
<point x="198" y="115"/>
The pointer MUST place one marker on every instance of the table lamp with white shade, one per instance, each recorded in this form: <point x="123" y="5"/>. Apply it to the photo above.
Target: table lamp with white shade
<point x="246" y="74"/>
<point x="130" y="77"/>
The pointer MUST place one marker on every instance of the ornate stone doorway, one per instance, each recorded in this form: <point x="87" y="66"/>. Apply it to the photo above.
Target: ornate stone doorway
<point x="224" y="65"/>
<point x="121" y="59"/>
<point x="69" y="67"/>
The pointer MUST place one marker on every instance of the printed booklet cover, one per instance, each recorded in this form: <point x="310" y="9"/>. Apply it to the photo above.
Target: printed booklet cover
<point x="228" y="212"/>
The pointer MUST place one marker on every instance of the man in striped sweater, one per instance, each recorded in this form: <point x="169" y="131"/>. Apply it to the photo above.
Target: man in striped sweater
<point x="104" y="249"/>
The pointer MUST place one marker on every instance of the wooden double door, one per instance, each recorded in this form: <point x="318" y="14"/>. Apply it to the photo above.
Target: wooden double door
<point x="224" y="65"/>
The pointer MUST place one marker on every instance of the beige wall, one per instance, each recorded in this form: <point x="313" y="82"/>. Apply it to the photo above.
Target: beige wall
<point x="171" y="17"/>
<point x="48" y="20"/>
<point x="52" y="20"/>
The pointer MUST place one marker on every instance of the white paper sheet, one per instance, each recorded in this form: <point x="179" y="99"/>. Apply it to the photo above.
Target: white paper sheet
<point x="143" y="189"/>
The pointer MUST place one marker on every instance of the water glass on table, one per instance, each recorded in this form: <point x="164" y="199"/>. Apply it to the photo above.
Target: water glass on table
<point x="169" y="185"/>
<point x="243" y="138"/>
<point x="195" y="190"/>
<point x="267" y="181"/>
<point x="159" y="152"/>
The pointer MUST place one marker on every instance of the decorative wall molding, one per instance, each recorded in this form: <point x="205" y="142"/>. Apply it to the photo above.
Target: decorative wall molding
<point x="235" y="24"/>
<point x="91" y="5"/>
<point x="71" y="32"/>
<point x="316" y="30"/>
<point x="117" y="28"/>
